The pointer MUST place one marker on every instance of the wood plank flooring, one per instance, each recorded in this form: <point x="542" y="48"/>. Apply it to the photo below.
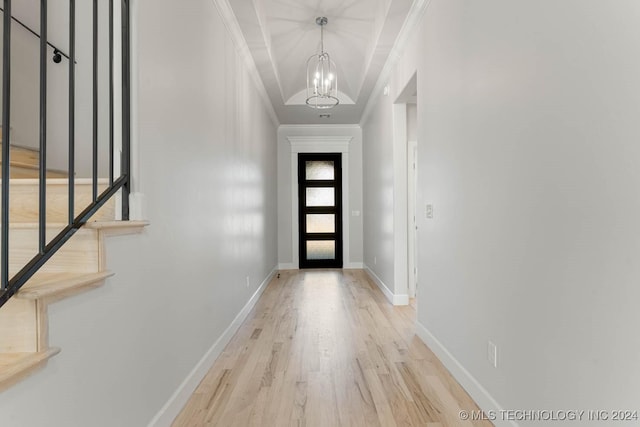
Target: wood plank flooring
<point x="324" y="348"/>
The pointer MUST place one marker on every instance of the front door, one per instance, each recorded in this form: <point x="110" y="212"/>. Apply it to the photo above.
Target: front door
<point x="320" y="211"/>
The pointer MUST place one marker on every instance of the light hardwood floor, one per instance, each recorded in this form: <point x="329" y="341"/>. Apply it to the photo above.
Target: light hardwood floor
<point x="324" y="348"/>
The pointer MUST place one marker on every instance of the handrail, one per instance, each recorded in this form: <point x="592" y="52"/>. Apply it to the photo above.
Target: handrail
<point x="56" y="51"/>
<point x="46" y="249"/>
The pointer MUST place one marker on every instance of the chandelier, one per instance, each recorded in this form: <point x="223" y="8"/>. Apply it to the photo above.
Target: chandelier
<point x="322" y="80"/>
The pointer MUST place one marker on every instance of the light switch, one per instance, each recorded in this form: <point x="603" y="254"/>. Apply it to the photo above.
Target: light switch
<point x="355" y="213"/>
<point x="429" y="212"/>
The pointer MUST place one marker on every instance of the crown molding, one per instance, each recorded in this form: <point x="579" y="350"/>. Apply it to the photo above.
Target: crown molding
<point x="230" y="21"/>
<point x="317" y="126"/>
<point x="418" y="9"/>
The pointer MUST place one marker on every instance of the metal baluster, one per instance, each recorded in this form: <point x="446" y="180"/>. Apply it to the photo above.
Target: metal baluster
<point x="72" y="108"/>
<point x="110" y="92"/>
<point x="126" y="109"/>
<point x="42" y="227"/>
<point x="95" y="100"/>
<point x="6" y="106"/>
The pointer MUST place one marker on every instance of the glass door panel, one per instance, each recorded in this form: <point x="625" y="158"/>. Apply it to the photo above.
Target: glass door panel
<point x="321" y="223"/>
<point x="319" y="169"/>
<point x="320" y="197"/>
<point x="321" y="249"/>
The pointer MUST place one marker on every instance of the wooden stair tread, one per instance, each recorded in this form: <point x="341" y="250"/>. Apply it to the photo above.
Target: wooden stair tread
<point x="60" y="285"/>
<point x="24" y="154"/>
<point x="93" y="225"/>
<point x="25" y="163"/>
<point x="19" y="172"/>
<point x="57" y="181"/>
<point x="15" y="366"/>
<point x="35" y="225"/>
<point x="110" y="225"/>
<point x="18" y="164"/>
<point x="117" y="228"/>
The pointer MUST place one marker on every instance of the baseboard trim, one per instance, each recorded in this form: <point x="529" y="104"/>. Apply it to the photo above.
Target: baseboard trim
<point x="349" y="266"/>
<point x="171" y="409"/>
<point x="479" y="394"/>
<point x="287" y="266"/>
<point x="354" y="266"/>
<point x="387" y="293"/>
<point x="399" y="299"/>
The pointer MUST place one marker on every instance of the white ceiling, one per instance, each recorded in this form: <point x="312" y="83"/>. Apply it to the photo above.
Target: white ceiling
<point x="282" y="35"/>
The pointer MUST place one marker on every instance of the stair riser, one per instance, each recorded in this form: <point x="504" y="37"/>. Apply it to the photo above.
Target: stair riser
<point x="24" y="203"/>
<point x="80" y="254"/>
<point x="20" y="326"/>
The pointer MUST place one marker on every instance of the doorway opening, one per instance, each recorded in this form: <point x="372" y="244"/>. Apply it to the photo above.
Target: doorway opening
<point x="320" y="210"/>
<point x="407" y="145"/>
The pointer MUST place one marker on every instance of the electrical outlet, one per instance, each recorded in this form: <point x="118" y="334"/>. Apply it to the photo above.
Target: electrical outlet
<point x="247" y="281"/>
<point x="429" y="211"/>
<point x="492" y="354"/>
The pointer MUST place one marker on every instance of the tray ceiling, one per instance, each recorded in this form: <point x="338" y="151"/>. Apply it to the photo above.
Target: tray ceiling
<point x="282" y="35"/>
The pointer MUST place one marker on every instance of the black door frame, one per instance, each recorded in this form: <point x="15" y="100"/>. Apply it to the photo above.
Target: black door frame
<point x="303" y="210"/>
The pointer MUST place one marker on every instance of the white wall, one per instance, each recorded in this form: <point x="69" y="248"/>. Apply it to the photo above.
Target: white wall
<point x="385" y="198"/>
<point x="412" y="122"/>
<point x="377" y="155"/>
<point x="527" y="134"/>
<point x="286" y="256"/>
<point x="208" y="170"/>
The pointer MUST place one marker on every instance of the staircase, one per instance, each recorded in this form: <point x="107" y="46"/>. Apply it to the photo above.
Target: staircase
<point x="78" y="266"/>
<point x="51" y="253"/>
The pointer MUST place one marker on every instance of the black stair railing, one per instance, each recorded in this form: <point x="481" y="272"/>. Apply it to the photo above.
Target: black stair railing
<point x="10" y="285"/>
